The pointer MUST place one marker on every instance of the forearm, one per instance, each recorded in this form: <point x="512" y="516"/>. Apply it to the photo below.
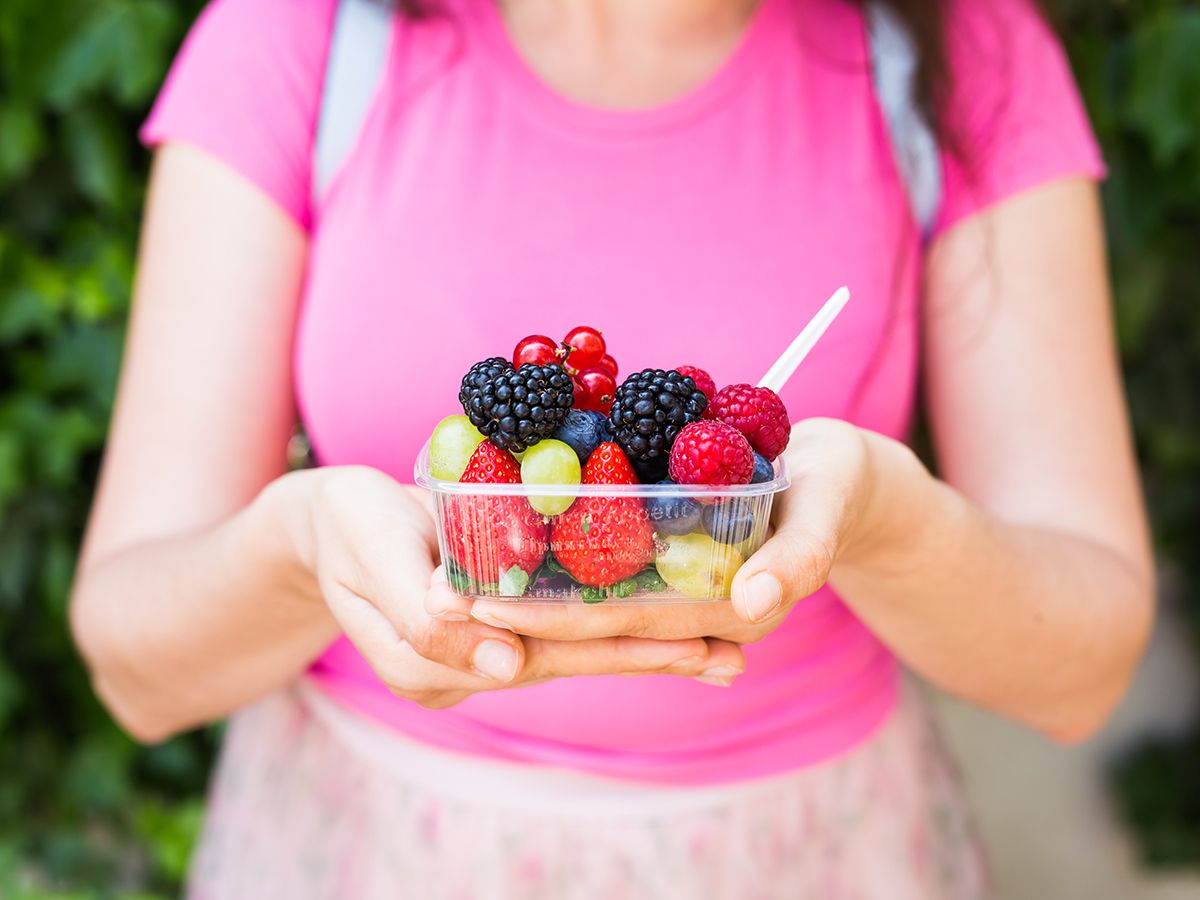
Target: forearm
<point x="183" y="630"/>
<point x="1041" y="625"/>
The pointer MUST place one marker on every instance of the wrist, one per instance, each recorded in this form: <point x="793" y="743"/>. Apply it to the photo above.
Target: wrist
<point x="278" y="528"/>
<point x="892" y="504"/>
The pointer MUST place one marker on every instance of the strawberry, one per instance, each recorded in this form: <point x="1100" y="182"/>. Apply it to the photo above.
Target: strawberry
<point x="608" y="464"/>
<point x="491" y="465"/>
<point x="489" y="535"/>
<point x="603" y="540"/>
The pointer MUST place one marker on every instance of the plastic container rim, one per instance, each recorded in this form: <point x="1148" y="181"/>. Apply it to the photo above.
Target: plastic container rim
<point x="423" y="478"/>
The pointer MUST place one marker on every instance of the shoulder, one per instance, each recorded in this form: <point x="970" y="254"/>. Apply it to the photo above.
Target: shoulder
<point x="288" y="32"/>
<point x="982" y="35"/>
<point x="296" y="16"/>
<point x="246" y="88"/>
<point x="1005" y="64"/>
<point x="260" y="45"/>
<point x="1012" y="106"/>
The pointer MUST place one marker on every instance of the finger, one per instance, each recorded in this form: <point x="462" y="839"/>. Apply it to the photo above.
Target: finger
<point x="795" y="561"/>
<point x="470" y="649"/>
<point x="631" y="656"/>
<point x="391" y="546"/>
<point x="443" y="602"/>
<point x="725" y="662"/>
<point x="396" y="664"/>
<point x="415" y="678"/>
<point x="579" y="622"/>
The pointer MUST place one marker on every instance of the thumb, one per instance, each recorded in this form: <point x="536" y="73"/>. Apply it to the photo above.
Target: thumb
<point x="791" y="565"/>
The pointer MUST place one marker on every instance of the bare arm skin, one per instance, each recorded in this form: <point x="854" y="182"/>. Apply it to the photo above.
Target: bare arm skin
<point x="208" y="576"/>
<point x="1030" y="585"/>
<point x="178" y="418"/>
<point x="1023" y="581"/>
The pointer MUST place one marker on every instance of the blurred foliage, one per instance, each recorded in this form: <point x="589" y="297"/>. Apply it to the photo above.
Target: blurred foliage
<point x="83" y="811"/>
<point x="1159" y="792"/>
<point x="81" y="805"/>
<point x="1139" y="68"/>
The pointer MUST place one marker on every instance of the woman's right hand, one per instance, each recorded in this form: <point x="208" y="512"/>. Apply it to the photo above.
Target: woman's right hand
<point x="370" y="546"/>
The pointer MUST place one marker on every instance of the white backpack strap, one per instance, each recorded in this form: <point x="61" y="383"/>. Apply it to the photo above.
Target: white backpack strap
<point x="894" y="67"/>
<point x="358" y="51"/>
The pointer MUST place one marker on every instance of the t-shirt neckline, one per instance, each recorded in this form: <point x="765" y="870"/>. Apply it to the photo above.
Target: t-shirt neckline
<point x="744" y="58"/>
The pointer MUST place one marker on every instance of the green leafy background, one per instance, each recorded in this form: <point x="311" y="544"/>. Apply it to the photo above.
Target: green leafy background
<point x="86" y="813"/>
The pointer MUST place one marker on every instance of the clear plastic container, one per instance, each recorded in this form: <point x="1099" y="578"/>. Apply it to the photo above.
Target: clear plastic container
<point x="614" y="544"/>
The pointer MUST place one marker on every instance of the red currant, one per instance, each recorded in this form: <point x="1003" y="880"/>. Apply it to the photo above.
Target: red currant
<point x="611" y="364"/>
<point x="585" y="347"/>
<point x="582" y="395"/>
<point x="601" y="387"/>
<point x="537" y="349"/>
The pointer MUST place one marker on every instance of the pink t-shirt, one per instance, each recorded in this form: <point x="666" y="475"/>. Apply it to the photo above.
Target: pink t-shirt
<point x="479" y="205"/>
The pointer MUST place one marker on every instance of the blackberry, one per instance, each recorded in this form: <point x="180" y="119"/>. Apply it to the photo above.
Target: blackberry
<point x="649" y="410"/>
<point x="479" y="375"/>
<point x="516" y="408"/>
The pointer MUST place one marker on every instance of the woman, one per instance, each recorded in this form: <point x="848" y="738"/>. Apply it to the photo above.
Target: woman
<point x="692" y="176"/>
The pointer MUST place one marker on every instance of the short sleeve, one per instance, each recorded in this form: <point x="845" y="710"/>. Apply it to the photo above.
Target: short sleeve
<point x="246" y="88"/>
<point x="1013" y="108"/>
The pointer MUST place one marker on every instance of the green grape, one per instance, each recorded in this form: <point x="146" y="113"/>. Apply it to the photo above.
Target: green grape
<point x="550" y="462"/>
<point x="450" y="448"/>
<point x="696" y="565"/>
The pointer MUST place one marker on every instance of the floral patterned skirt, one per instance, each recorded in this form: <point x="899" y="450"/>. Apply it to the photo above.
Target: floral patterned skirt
<point x="309" y="802"/>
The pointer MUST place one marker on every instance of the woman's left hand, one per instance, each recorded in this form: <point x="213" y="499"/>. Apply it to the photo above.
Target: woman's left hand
<point x="827" y="515"/>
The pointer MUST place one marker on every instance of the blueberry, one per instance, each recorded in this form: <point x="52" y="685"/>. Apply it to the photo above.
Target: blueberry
<point x="602" y="425"/>
<point x="676" y="514"/>
<point x="580" y="431"/>
<point x="763" y="470"/>
<point x="730" y="522"/>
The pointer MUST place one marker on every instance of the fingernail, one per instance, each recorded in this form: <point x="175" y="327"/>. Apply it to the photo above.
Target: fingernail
<point x="721" y="672"/>
<point x="686" y="663"/>
<point x="715" y="682"/>
<point x="450" y="615"/>
<point x="496" y="660"/>
<point x="763" y="596"/>
<point x="489" y="619"/>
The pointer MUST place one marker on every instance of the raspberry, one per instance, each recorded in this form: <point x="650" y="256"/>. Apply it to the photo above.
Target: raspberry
<point x="489" y="535"/>
<point x="603" y="540"/>
<point x="756" y="412"/>
<point x="703" y="380"/>
<point x="711" y="453"/>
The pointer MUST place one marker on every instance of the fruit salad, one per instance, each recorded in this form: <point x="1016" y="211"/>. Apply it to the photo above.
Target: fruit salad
<point x="557" y="482"/>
